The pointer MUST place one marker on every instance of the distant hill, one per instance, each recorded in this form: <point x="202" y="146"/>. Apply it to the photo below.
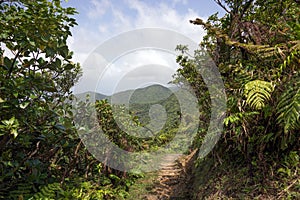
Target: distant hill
<point x="93" y="96"/>
<point x="157" y="107"/>
<point x="146" y="95"/>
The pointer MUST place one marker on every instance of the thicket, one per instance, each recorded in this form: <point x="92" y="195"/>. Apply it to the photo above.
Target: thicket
<point x="256" y="47"/>
<point x="41" y="155"/>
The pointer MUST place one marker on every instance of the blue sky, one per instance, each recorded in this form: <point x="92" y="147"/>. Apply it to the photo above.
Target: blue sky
<point x="100" y="20"/>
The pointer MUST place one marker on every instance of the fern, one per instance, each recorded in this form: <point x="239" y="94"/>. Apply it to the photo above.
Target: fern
<point x="292" y="59"/>
<point x="50" y="191"/>
<point x="257" y="93"/>
<point x="288" y="108"/>
<point x="238" y="117"/>
<point x="23" y="191"/>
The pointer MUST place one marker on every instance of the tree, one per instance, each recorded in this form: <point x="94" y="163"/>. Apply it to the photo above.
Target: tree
<point x="36" y="74"/>
<point x="256" y="47"/>
<point x="259" y="59"/>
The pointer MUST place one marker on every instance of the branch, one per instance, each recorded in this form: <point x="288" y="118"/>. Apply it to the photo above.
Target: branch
<point x="246" y="7"/>
<point x="223" y="6"/>
<point x="287" y="188"/>
<point x="35" y="151"/>
<point x="13" y="63"/>
<point x="219" y="34"/>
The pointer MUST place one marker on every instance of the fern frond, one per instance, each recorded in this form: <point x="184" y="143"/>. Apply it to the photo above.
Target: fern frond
<point x="23" y="191"/>
<point x="288" y="108"/>
<point x="50" y="191"/>
<point x="257" y="92"/>
<point x="293" y="58"/>
<point x="236" y="118"/>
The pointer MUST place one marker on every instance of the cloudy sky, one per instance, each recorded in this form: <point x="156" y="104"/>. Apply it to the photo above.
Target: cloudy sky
<point x="125" y="44"/>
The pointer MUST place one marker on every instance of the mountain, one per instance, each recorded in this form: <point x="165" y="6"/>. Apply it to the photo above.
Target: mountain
<point x="93" y="96"/>
<point x="146" y="95"/>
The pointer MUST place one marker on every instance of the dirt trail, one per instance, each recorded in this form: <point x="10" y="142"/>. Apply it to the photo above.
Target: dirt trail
<point x="174" y="178"/>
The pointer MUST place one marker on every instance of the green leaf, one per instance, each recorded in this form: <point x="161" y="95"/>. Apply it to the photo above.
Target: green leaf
<point x="45" y="38"/>
<point x="58" y="62"/>
<point x="69" y="67"/>
<point x="64" y="51"/>
<point x="49" y="52"/>
<point x="32" y="43"/>
<point x="11" y="121"/>
<point x="24" y="105"/>
<point x="60" y="127"/>
<point x="7" y="62"/>
<point x="288" y="107"/>
<point x="32" y="96"/>
<point x="14" y="132"/>
<point x="114" y="177"/>
<point x="49" y="88"/>
<point x="257" y="93"/>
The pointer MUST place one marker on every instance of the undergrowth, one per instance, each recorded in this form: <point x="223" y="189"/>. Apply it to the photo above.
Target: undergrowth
<point x="230" y="177"/>
<point x="102" y="187"/>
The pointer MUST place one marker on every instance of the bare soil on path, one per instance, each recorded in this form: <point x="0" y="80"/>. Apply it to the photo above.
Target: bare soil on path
<point x="174" y="180"/>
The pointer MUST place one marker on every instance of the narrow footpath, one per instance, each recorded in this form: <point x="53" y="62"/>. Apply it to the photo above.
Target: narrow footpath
<point x="174" y="180"/>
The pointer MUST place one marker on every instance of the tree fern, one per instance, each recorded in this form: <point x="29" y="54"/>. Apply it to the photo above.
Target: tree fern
<point x="257" y="92"/>
<point x="288" y="107"/>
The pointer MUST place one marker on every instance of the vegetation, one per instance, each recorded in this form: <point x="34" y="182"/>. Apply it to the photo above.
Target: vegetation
<point x="41" y="156"/>
<point x="134" y="120"/>
<point x="256" y="47"/>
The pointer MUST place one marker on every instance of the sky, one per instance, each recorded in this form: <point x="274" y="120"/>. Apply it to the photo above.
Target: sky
<point x="126" y="44"/>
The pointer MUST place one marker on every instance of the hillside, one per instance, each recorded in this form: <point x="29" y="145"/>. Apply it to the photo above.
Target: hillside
<point x="146" y="95"/>
<point x="93" y="96"/>
<point x="150" y="94"/>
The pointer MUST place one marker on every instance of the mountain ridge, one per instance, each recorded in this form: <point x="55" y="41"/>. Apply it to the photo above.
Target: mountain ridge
<point x="149" y="94"/>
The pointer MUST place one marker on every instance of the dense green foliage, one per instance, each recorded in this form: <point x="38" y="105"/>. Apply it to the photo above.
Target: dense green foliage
<point x="256" y="47"/>
<point x="128" y="127"/>
<point x="35" y="81"/>
<point x="41" y="156"/>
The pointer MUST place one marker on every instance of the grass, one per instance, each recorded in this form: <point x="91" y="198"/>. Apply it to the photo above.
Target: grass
<point x="232" y="180"/>
<point x="142" y="186"/>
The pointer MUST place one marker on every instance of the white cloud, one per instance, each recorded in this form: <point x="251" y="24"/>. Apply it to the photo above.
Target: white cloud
<point x="98" y="8"/>
<point x="121" y="22"/>
<point x="130" y="71"/>
<point x="183" y="2"/>
<point x="164" y="16"/>
<point x="103" y="29"/>
<point x="136" y="14"/>
<point x="88" y="36"/>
